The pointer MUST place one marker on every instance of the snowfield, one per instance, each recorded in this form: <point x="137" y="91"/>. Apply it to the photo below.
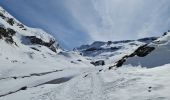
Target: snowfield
<point x="33" y="66"/>
<point x="125" y="83"/>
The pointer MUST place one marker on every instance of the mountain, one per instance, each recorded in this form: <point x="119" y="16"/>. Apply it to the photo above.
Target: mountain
<point x="151" y="54"/>
<point x="32" y="54"/>
<point x="33" y="66"/>
<point x="111" y="51"/>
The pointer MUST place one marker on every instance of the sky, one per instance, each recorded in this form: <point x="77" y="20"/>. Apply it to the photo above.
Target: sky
<point x="77" y="22"/>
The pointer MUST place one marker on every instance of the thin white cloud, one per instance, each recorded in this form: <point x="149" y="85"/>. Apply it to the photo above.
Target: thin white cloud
<point x="76" y="22"/>
<point x="119" y="19"/>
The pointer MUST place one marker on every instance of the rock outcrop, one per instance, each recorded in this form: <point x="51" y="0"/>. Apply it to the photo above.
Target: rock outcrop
<point x="34" y="40"/>
<point x="7" y="34"/>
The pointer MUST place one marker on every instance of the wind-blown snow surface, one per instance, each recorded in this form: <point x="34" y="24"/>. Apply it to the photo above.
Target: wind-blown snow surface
<point x="41" y="70"/>
<point x="125" y="83"/>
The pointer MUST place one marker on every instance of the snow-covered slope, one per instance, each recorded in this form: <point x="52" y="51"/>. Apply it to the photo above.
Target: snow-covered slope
<point x="125" y="83"/>
<point x="29" y="49"/>
<point x="34" y="67"/>
<point x="153" y="54"/>
<point x="30" y="56"/>
<point x="110" y="52"/>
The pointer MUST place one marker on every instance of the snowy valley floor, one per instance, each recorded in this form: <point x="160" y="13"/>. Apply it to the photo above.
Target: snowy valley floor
<point x="125" y="83"/>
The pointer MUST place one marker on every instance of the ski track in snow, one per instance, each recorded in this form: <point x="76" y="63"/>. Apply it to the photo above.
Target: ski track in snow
<point x="93" y="87"/>
<point x="88" y="88"/>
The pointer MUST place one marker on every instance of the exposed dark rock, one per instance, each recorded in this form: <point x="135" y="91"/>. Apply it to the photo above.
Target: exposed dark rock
<point x="10" y="21"/>
<point x="73" y="62"/>
<point x="2" y="32"/>
<point x="142" y="51"/>
<point x="20" y="25"/>
<point x="35" y="48"/>
<point x="85" y="75"/>
<point x="109" y="43"/>
<point x="14" y="61"/>
<point x="2" y="15"/>
<point x="100" y="70"/>
<point x="98" y="63"/>
<point x="7" y="34"/>
<point x="111" y="67"/>
<point x="165" y="33"/>
<point x="23" y="88"/>
<point x="53" y="48"/>
<point x="149" y="89"/>
<point x="11" y="31"/>
<point x="14" y="77"/>
<point x="35" y="40"/>
<point x="24" y="29"/>
<point x="120" y="62"/>
<point x="79" y="60"/>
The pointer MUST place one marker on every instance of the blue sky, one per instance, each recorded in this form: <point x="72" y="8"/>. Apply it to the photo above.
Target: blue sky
<point x="76" y="22"/>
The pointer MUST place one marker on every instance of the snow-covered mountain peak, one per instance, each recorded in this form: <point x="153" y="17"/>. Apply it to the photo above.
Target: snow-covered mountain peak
<point x="108" y="53"/>
<point x="19" y="34"/>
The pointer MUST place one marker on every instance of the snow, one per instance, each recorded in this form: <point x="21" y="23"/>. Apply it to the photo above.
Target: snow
<point x="105" y="53"/>
<point x="125" y="83"/>
<point x="41" y="74"/>
<point x="22" y="66"/>
<point x="157" y="57"/>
